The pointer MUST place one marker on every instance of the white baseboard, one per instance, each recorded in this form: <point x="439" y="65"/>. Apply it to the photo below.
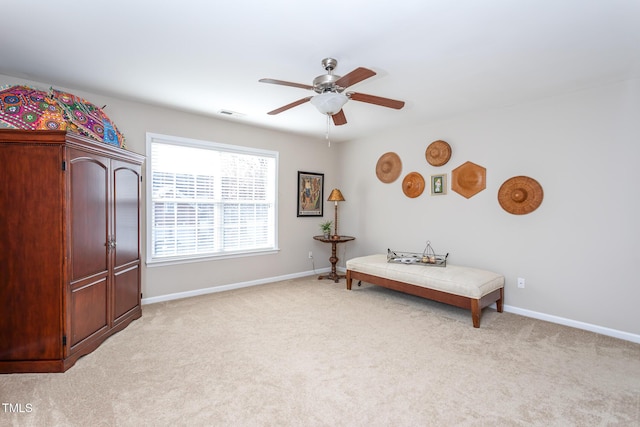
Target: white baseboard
<point x="627" y="336"/>
<point x="222" y="288"/>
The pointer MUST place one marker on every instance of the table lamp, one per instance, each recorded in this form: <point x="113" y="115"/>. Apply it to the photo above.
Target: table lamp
<point x="335" y="196"/>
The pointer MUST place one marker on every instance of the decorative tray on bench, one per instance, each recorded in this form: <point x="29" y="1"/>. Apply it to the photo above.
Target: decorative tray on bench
<point x="427" y="258"/>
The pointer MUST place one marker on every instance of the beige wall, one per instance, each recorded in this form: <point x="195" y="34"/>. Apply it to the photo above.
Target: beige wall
<point x="578" y="252"/>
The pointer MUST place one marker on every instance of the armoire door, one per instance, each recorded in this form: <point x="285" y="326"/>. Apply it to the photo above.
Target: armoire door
<point x="88" y="176"/>
<point x="126" y="237"/>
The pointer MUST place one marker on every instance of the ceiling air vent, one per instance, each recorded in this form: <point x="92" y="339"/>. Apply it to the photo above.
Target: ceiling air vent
<point x="230" y="113"/>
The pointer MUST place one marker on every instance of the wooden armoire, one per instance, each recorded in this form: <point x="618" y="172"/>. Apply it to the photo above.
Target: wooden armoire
<point x="69" y="247"/>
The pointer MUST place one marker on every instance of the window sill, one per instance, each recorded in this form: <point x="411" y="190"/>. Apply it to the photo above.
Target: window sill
<point x="160" y="262"/>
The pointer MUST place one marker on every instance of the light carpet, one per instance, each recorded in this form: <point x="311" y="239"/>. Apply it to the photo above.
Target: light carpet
<point x="306" y="352"/>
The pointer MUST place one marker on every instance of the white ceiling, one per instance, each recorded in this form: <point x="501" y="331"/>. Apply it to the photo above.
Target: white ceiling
<point x="442" y="57"/>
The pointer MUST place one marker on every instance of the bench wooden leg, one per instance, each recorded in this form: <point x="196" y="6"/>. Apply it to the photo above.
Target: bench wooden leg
<point x="476" y="312"/>
<point x="475" y="305"/>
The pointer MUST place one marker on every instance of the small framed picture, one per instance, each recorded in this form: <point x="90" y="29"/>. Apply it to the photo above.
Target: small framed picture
<point x="310" y="194"/>
<point x="438" y="184"/>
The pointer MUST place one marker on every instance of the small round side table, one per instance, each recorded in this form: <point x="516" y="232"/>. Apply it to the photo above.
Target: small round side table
<point x="334" y="240"/>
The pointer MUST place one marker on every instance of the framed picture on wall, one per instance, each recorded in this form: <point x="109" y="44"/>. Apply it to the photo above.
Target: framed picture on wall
<point x="438" y="184"/>
<point x="310" y="194"/>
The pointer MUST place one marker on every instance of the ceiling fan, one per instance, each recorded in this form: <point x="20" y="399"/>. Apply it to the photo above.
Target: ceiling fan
<point x="330" y="92"/>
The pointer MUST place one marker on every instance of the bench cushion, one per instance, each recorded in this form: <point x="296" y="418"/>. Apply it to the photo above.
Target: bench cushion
<point x="464" y="281"/>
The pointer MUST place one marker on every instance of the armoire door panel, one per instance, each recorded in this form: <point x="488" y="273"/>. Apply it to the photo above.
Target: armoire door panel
<point x="126" y="218"/>
<point x="89" y="195"/>
<point x="126" y="290"/>
<point x="88" y="310"/>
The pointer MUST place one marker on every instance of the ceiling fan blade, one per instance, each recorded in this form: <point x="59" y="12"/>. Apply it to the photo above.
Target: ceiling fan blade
<point x="283" y="83"/>
<point x="357" y="75"/>
<point x="288" y="106"/>
<point x="339" y="118"/>
<point x="378" y="100"/>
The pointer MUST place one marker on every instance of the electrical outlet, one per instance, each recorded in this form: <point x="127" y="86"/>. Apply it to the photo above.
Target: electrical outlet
<point x="310" y="255"/>
<point x="521" y="282"/>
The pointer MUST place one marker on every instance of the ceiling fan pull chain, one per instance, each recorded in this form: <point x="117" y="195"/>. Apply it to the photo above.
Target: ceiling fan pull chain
<point x="327" y="134"/>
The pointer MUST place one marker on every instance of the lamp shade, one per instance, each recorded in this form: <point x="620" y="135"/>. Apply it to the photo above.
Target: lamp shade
<point x="329" y="102"/>
<point x="335" y="196"/>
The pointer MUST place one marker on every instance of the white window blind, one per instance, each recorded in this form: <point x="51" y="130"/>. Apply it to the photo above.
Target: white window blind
<point x="207" y="199"/>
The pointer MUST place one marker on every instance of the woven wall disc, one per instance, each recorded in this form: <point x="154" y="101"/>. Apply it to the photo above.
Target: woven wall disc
<point x="388" y="167"/>
<point x="520" y="195"/>
<point x="413" y="185"/>
<point x="438" y="153"/>
<point x="469" y="179"/>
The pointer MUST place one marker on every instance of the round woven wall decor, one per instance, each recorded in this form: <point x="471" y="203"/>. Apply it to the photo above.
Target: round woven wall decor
<point x="438" y="153"/>
<point x="388" y="167"/>
<point x="413" y="185"/>
<point x="520" y="195"/>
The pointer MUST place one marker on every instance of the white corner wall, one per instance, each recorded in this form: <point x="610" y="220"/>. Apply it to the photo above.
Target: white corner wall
<point x="579" y="251"/>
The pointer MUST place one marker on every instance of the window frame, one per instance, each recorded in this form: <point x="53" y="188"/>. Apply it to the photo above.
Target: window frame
<point x="152" y="138"/>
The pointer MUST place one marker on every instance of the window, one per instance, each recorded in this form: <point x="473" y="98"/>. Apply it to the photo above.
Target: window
<point x="206" y="199"/>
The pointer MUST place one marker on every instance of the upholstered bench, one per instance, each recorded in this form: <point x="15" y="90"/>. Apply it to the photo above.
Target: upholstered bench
<point x="464" y="287"/>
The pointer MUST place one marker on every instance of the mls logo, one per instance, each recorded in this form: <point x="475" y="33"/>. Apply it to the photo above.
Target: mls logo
<point x="17" y="408"/>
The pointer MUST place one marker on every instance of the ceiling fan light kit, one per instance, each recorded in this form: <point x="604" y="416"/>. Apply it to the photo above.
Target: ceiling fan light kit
<point x="329" y="87"/>
<point x="329" y="102"/>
